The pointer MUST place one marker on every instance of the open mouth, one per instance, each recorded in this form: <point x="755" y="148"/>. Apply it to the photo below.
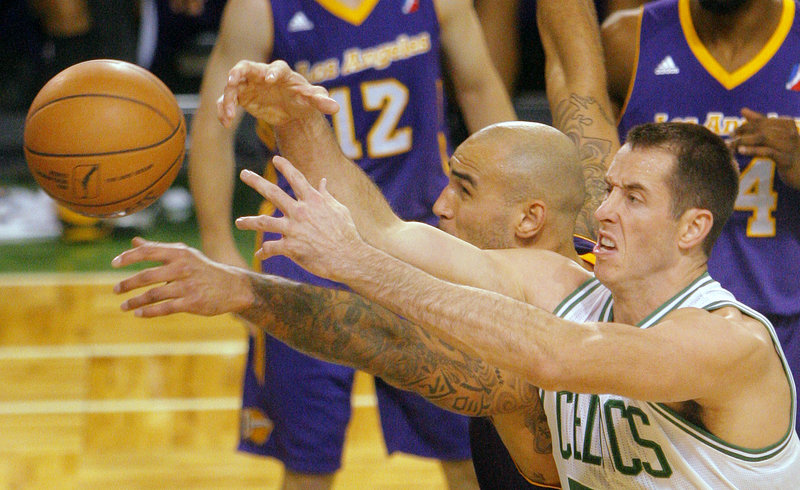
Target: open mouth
<point x="605" y="244"/>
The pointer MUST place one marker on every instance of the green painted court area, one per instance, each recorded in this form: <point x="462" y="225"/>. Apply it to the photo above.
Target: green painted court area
<point x="58" y="255"/>
<point x="54" y="255"/>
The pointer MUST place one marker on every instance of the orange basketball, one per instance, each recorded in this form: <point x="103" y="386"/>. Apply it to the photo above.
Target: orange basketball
<point x="105" y="138"/>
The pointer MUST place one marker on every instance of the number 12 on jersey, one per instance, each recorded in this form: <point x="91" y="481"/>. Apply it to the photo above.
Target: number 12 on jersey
<point x="384" y="138"/>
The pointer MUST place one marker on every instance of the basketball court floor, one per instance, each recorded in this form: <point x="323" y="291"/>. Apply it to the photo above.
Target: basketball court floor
<point x="92" y="398"/>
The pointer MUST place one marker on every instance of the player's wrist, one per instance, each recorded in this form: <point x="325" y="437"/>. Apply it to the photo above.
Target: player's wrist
<point x="242" y="294"/>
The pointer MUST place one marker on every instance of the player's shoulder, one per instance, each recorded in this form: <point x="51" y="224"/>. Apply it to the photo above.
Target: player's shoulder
<point x="544" y="278"/>
<point x="729" y="318"/>
<point x="622" y="24"/>
<point x="619" y="33"/>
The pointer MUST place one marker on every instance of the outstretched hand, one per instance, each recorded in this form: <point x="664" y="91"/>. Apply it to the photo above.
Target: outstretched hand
<point x="186" y="281"/>
<point x="271" y="92"/>
<point x="317" y="231"/>
<point x="776" y="138"/>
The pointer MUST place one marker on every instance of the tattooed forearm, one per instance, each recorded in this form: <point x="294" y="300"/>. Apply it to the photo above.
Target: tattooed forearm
<point x="342" y="327"/>
<point x="587" y="123"/>
<point x="536" y="423"/>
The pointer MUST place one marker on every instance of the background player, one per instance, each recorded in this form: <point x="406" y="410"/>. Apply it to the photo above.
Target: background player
<point x="380" y="60"/>
<point x="725" y="64"/>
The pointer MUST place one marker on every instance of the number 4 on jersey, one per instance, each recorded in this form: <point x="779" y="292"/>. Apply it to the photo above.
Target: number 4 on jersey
<point x="757" y="195"/>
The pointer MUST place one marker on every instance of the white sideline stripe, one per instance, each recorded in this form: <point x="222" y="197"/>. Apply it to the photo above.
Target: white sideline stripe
<point x="145" y="405"/>
<point x="199" y="348"/>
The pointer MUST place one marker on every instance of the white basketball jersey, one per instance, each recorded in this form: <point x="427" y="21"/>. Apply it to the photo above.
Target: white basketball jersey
<point x="609" y="441"/>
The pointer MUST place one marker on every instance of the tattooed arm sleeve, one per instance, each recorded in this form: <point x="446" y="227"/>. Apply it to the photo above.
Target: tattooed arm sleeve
<point x="341" y="327"/>
<point x="577" y="92"/>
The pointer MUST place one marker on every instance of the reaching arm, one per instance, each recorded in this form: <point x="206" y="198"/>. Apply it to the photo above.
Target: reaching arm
<point x="245" y="32"/>
<point x="284" y="99"/>
<point x="333" y="325"/>
<point x="691" y="355"/>
<point x="339" y="326"/>
<point x="576" y="89"/>
<point x="480" y="92"/>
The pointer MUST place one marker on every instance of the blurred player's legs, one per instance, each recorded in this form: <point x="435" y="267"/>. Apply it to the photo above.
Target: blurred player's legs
<point x="296" y="409"/>
<point x="460" y="474"/>
<point x="303" y="481"/>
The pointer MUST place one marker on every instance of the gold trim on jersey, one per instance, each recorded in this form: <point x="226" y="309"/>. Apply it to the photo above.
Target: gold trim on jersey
<point x="267" y="135"/>
<point x="259" y="355"/>
<point x="634" y="70"/>
<point x="730" y="80"/>
<point x="353" y="15"/>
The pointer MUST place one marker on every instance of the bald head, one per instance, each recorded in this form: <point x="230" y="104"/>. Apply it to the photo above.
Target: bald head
<point x="531" y="161"/>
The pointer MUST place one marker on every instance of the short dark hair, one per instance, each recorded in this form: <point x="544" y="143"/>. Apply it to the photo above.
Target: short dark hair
<point x="706" y="175"/>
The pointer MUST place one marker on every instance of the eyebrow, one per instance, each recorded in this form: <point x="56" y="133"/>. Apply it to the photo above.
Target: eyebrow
<point x="635" y="186"/>
<point x="462" y="176"/>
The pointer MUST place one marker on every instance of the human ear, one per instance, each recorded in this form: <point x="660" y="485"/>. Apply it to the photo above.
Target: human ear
<point x="695" y="225"/>
<point x="531" y="220"/>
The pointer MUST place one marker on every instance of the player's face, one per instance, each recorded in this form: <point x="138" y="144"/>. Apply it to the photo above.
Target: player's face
<point x="636" y="230"/>
<point x="722" y="7"/>
<point x="472" y="206"/>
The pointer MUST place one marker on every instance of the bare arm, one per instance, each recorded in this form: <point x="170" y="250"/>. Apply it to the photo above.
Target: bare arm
<point x="286" y="100"/>
<point x="499" y="23"/>
<point x="576" y="90"/>
<point x="691" y="355"/>
<point x="620" y="34"/>
<point x="616" y="5"/>
<point x="333" y="325"/>
<point x="480" y="92"/>
<point x="245" y="32"/>
<point x="339" y="326"/>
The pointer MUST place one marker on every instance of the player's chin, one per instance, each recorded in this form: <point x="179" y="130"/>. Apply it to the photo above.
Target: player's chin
<point x="605" y="264"/>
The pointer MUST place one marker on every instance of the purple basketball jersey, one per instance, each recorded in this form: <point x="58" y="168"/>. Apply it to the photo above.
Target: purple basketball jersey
<point x="382" y="66"/>
<point x="677" y="79"/>
<point x="381" y="63"/>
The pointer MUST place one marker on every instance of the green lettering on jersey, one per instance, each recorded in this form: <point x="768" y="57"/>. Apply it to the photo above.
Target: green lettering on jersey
<point x="566" y="452"/>
<point x="636" y="465"/>
<point x="665" y="471"/>
<point x="588" y="457"/>
<point x="573" y="485"/>
<point x="576" y="422"/>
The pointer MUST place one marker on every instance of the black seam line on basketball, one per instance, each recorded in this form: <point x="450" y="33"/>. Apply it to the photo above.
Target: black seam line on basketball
<point x="129" y="99"/>
<point x="115" y="152"/>
<point x="172" y="165"/>
<point x="110" y="96"/>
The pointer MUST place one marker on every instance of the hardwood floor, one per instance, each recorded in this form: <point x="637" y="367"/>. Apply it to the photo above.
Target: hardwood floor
<point x="91" y="398"/>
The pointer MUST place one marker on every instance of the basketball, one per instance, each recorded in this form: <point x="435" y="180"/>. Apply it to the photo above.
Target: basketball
<point x="104" y="138"/>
